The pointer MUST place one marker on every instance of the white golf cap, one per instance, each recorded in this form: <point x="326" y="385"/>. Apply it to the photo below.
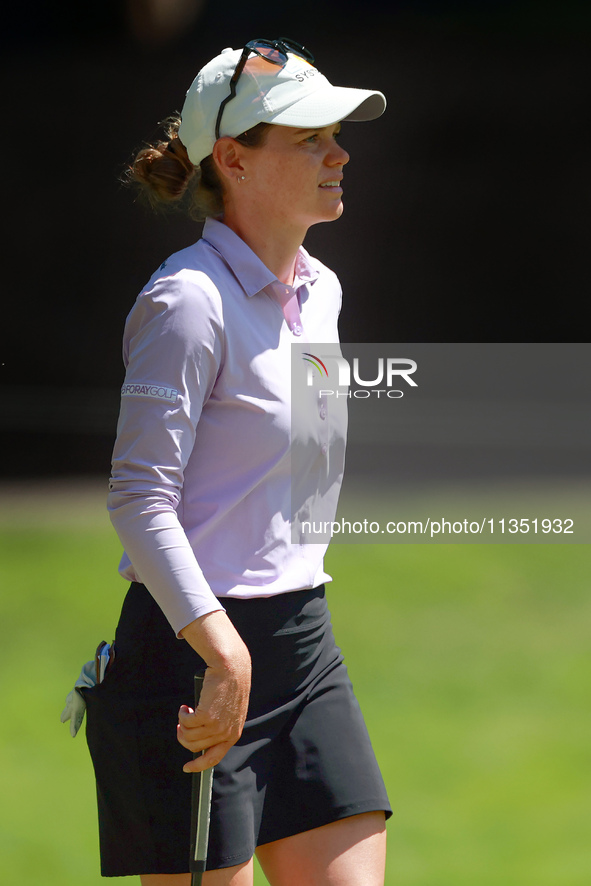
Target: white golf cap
<point x="295" y="94"/>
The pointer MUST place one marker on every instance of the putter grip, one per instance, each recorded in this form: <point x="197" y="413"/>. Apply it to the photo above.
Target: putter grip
<point x="200" y="802"/>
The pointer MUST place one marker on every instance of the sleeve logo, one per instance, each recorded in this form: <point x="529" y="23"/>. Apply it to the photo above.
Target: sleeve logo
<point x="156" y="392"/>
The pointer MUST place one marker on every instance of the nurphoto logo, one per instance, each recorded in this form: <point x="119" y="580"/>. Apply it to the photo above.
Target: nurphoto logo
<point x="315" y="362"/>
<point x="387" y="372"/>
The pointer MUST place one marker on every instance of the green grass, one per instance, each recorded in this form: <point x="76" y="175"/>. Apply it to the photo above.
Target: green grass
<point x="472" y="664"/>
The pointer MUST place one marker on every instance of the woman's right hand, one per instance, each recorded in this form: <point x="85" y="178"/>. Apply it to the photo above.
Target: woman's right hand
<point x="217" y="723"/>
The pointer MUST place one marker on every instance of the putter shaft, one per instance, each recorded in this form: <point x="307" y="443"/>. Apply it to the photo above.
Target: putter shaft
<point x="201" y="786"/>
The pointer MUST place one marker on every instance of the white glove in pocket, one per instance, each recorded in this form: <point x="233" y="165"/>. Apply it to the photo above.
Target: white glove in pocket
<point x="92" y="673"/>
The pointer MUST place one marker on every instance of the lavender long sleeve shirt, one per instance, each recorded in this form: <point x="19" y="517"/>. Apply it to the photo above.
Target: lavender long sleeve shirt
<point x="201" y="486"/>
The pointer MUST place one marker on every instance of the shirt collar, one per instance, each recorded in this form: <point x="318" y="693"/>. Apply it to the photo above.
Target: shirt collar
<point x="305" y="272"/>
<point x="247" y="267"/>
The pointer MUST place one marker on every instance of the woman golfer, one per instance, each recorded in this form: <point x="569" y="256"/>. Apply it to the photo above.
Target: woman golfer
<point x="206" y="467"/>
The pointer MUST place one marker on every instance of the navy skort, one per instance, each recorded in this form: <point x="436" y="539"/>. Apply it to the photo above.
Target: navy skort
<point x="304" y="758"/>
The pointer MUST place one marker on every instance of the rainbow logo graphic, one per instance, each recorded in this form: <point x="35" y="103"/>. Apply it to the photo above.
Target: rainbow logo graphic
<point x="316" y="362"/>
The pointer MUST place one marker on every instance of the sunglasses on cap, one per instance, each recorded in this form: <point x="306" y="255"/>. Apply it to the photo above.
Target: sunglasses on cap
<point x="273" y="51"/>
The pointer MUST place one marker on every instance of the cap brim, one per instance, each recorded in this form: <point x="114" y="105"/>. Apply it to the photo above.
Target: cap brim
<point x="330" y="105"/>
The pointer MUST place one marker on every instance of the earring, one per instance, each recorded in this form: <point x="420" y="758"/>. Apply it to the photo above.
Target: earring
<point x="240" y="178"/>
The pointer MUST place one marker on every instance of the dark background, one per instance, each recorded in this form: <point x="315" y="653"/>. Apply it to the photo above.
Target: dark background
<point x="466" y="205"/>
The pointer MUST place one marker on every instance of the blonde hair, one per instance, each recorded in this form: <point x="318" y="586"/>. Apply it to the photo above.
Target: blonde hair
<point x="166" y="179"/>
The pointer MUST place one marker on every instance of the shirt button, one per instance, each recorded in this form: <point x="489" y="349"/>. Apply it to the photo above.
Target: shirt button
<point x="324" y="449"/>
<point x="296" y="329"/>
